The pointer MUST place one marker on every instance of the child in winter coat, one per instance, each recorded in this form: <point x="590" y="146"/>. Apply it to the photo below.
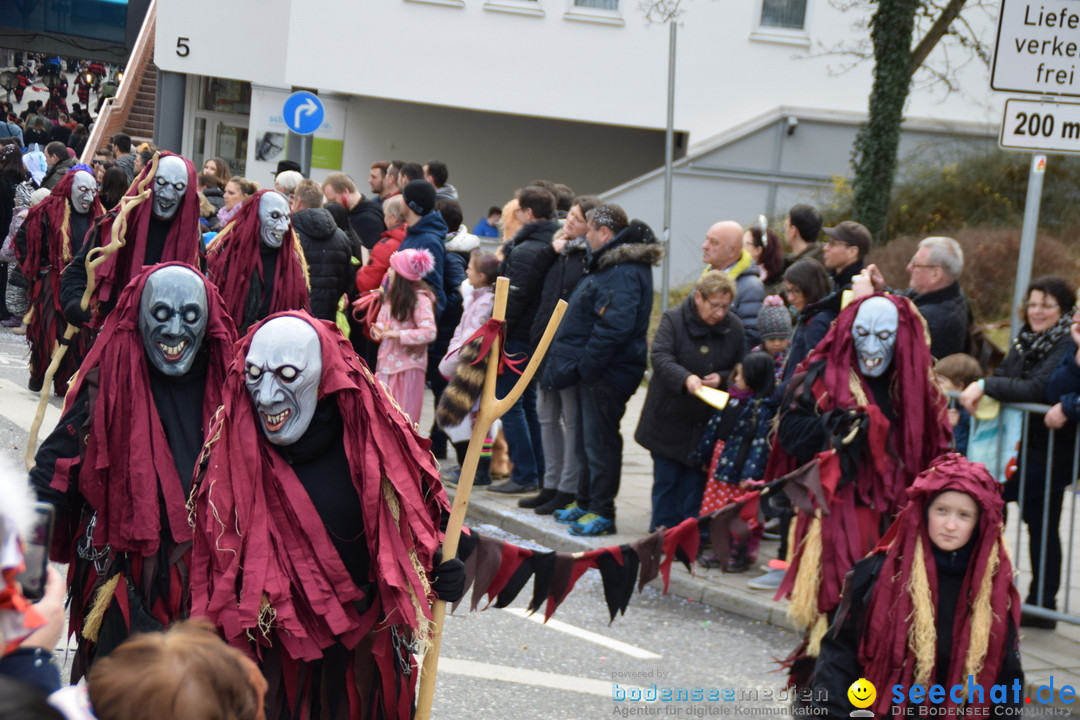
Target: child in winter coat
<point x="405" y="327"/>
<point x="774" y="329"/>
<point x="481" y="273"/>
<point x="735" y="446"/>
<point x="955" y="372"/>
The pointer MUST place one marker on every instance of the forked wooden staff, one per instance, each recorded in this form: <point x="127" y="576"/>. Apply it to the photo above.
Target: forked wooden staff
<point x="491" y="409"/>
<point x="94" y="258"/>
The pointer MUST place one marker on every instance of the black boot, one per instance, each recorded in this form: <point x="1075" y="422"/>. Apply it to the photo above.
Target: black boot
<point x="557" y="502"/>
<point x="531" y="502"/>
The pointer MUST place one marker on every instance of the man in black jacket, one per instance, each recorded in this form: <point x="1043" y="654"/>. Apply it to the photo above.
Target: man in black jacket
<point x="527" y="261"/>
<point x="365" y="215"/>
<point x="328" y="249"/>
<point x="935" y="288"/>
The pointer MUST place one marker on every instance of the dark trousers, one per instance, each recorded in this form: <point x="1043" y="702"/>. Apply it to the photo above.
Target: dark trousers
<point x="676" y="492"/>
<point x="600" y="409"/>
<point x="1032" y="514"/>
<point x="521" y="423"/>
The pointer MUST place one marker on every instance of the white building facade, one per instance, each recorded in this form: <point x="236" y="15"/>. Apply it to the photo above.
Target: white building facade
<point x="505" y="91"/>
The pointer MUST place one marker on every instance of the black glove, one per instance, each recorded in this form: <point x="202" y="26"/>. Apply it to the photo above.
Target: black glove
<point x="448" y="579"/>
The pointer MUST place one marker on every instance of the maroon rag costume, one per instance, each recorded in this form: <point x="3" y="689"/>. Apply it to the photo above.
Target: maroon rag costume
<point x="181" y="243"/>
<point x="110" y="469"/>
<point x="901" y="427"/>
<point x="234" y="264"/>
<point x="916" y="614"/>
<point x="50" y="243"/>
<point x="269" y="574"/>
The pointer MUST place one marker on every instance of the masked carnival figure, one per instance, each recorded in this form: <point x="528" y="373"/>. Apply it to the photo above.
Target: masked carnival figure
<point x="53" y="232"/>
<point x="257" y="262"/>
<point x="319" y="512"/>
<point x="156" y="221"/>
<point x="118" y="467"/>
<point x="864" y="411"/>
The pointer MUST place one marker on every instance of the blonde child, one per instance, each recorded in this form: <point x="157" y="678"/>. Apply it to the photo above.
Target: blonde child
<point x="405" y="327"/>
<point x="481" y="273"/>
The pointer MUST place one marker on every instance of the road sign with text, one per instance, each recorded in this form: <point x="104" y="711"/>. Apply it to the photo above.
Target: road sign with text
<point x="1038" y="47"/>
<point x="1046" y="126"/>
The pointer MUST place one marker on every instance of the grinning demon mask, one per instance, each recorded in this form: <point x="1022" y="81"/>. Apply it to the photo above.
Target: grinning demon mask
<point x="273" y="218"/>
<point x="173" y="318"/>
<point x="170" y="183"/>
<point x="83" y="190"/>
<point x="284" y="366"/>
<point x="874" y="333"/>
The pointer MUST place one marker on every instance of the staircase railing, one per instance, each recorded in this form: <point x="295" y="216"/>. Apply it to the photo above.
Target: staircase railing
<point x="114" y="111"/>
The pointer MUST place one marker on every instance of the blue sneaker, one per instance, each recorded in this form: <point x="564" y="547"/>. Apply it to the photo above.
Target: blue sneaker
<point x="569" y="514"/>
<point x="591" y="524"/>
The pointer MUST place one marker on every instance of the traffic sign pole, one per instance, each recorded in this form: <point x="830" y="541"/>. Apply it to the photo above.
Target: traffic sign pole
<point x="1027" y="236"/>
<point x="1036" y="51"/>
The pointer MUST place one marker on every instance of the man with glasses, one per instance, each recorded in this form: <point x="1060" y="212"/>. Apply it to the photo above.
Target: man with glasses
<point x="723" y="250"/>
<point x="934" y="286"/>
<point x="848" y="244"/>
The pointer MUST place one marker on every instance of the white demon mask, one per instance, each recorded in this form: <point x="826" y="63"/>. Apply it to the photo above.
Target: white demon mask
<point x="273" y="218"/>
<point x="874" y="333"/>
<point x="83" y="190"/>
<point x="282" y="373"/>
<point x="170" y="184"/>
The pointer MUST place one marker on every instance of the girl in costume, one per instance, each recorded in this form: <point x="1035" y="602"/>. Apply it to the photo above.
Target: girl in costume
<point x="406" y="326"/>
<point x="736" y="447"/>
<point x="934" y="603"/>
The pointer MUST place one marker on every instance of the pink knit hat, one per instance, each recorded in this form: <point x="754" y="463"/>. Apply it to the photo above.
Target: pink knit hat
<point x="412" y="264"/>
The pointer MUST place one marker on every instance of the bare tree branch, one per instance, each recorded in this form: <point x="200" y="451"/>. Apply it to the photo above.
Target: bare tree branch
<point x="935" y="33"/>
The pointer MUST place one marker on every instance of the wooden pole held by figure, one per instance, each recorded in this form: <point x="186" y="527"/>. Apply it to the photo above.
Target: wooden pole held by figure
<point x="491" y="409"/>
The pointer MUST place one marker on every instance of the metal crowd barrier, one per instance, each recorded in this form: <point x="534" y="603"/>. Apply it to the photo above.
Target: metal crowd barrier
<point x="1034" y="412"/>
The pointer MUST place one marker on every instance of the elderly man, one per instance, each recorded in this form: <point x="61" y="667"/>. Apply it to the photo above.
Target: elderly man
<point x="723" y="250"/>
<point x="935" y="288"/>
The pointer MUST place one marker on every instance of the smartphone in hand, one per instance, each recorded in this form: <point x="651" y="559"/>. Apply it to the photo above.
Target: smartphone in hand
<point x="36" y="554"/>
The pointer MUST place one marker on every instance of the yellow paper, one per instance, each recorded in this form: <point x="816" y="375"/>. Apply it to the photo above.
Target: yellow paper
<point x="717" y="398"/>
<point x="987" y="409"/>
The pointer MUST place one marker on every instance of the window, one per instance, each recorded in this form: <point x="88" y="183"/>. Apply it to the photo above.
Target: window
<point x="783" y="13"/>
<point x="604" y="12"/>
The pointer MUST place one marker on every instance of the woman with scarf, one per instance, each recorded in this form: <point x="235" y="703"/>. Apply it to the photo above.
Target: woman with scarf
<point x="933" y="604"/>
<point x="1023" y="377"/>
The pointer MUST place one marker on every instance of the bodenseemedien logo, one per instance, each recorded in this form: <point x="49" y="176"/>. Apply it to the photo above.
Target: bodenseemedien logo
<point x="861" y="694"/>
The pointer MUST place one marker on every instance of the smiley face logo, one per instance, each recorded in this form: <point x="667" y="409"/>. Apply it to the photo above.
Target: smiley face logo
<point x="862" y="693"/>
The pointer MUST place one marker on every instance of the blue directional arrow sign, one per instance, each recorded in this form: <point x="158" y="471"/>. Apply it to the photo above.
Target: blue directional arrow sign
<point x="303" y="112"/>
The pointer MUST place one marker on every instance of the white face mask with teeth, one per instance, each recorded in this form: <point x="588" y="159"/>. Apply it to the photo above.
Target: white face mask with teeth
<point x="282" y="373"/>
<point x="173" y="318"/>
<point x="874" y="333"/>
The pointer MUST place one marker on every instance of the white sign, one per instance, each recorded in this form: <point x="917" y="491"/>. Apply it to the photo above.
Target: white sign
<point x="1038" y="47"/>
<point x="1034" y="125"/>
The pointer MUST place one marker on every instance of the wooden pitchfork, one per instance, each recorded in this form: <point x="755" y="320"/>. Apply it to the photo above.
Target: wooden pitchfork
<point x="491" y="408"/>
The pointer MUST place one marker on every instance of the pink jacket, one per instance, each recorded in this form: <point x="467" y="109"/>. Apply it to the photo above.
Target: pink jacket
<point x="409" y="351"/>
<point x="477" y="312"/>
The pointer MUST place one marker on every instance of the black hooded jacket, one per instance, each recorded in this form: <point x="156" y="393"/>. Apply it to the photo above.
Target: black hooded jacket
<point x="329" y="252"/>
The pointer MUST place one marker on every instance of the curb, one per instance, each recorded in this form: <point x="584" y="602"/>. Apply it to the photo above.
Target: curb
<point x="695" y="588"/>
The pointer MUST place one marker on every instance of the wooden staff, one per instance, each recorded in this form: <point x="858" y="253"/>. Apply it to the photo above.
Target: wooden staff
<point x="94" y="258"/>
<point x="491" y="409"/>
